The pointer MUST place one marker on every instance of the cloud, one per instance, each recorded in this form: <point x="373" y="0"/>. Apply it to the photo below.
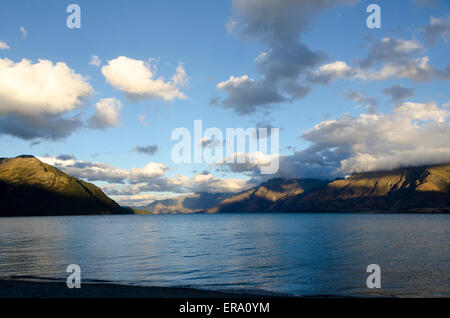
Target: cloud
<point x="391" y="50"/>
<point x="66" y="157"/>
<point x="150" y="171"/>
<point x="398" y="93"/>
<point x="332" y="71"/>
<point x="4" y="45"/>
<point x="362" y="100"/>
<point x="28" y="89"/>
<point x="95" y="61"/>
<point x="279" y="25"/>
<point x="417" y="70"/>
<point x="239" y="162"/>
<point x="147" y="150"/>
<point x="138" y="182"/>
<point x="107" y="114"/>
<point x="98" y="171"/>
<point x="278" y="22"/>
<point x="387" y="59"/>
<point x="136" y="79"/>
<point x="36" y="99"/>
<point x="413" y="134"/>
<point x="23" y="31"/>
<point x="246" y="95"/>
<point x="140" y="199"/>
<point x="206" y="142"/>
<point x="438" y="28"/>
<point x="182" y="184"/>
<point x="49" y="126"/>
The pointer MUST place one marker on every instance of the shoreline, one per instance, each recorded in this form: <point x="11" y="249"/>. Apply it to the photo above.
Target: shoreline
<point x="369" y="212"/>
<point x="15" y="288"/>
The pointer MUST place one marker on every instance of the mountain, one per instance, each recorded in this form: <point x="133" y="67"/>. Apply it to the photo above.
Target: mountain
<point x="29" y="187"/>
<point x="186" y="204"/>
<point x="269" y="196"/>
<point x="419" y="189"/>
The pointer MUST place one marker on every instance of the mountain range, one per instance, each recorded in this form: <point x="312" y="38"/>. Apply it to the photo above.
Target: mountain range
<point x="29" y="187"/>
<point x="416" y="189"/>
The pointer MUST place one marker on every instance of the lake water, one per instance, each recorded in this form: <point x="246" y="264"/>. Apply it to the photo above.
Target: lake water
<point x="296" y="254"/>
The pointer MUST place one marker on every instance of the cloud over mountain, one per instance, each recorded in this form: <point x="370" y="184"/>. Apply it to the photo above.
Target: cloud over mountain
<point x="413" y="134"/>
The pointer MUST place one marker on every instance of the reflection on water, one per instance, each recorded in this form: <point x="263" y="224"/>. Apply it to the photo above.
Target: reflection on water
<point x="298" y="254"/>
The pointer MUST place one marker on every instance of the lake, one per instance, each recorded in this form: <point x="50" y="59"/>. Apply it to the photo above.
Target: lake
<point x="295" y="254"/>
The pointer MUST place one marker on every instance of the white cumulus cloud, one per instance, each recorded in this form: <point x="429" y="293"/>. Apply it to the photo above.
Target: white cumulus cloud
<point x="43" y="87"/>
<point x="107" y="113"/>
<point x="137" y="79"/>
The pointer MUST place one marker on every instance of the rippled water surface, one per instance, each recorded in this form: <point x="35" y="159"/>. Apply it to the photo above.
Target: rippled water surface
<point x="297" y="254"/>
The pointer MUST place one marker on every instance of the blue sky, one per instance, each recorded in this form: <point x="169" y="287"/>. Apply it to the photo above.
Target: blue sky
<point x="214" y="40"/>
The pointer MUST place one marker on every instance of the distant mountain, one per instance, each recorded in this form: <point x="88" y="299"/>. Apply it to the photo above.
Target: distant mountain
<point x="420" y="189"/>
<point x="186" y="204"/>
<point x="269" y="196"/>
<point x="30" y="187"/>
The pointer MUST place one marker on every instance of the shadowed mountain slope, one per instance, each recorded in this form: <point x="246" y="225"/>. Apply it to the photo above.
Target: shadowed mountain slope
<point x="268" y="196"/>
<point x="191" y="203"/>
<point x="420" y="189"/>
<point x="29" y="187"/>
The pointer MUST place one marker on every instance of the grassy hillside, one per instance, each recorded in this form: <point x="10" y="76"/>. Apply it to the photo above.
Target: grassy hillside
<point x="31" y="187"/>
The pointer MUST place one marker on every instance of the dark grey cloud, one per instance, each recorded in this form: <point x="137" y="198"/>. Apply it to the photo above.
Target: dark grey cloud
<point x="48" y="127"/>
<point x="66" y="157"/>
<point x="398" y="93"/>
<point x="438" y="28"/>
<point x="147" y="150"/>
<point x="390" y="50"/>
<point x="279" y="25"/>
<point x="246" y="96"/>
<point x="286" y="63"/>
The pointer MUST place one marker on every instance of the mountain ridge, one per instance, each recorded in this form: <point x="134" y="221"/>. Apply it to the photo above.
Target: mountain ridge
<point x="29" y="187"/>
<point x="415" y="189"/>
